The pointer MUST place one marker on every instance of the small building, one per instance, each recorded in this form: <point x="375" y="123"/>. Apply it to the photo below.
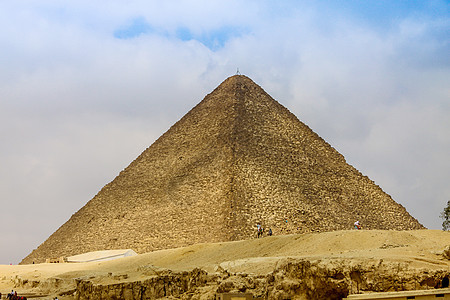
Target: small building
<point x="102" y="255"/>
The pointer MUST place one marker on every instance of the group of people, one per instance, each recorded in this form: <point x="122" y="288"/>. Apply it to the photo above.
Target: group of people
<point x="260" y="231"/>
<point x="13" y="296"/>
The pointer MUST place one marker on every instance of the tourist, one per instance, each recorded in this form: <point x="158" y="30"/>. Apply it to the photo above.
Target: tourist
<point x="270" y="232"/>
<point x="260" y="230"/>
<point x="357" y="225"/>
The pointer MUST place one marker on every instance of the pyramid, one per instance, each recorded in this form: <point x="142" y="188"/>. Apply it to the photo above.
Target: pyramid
<point x="238" y="158"/>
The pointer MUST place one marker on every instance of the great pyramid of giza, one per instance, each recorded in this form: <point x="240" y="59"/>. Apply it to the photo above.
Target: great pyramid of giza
<point x="238" y="158"/>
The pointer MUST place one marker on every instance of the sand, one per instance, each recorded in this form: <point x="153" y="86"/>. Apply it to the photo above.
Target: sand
<point x="420" y="249"/>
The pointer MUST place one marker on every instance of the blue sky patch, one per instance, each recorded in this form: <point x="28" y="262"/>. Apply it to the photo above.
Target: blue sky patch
<point x="137" y="27"/>
<point x="214" y="39"/>
<point x="184" y="34"/>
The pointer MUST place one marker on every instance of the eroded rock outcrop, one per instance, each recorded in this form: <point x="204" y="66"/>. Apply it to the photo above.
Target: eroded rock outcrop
<point x="291" y="279"/>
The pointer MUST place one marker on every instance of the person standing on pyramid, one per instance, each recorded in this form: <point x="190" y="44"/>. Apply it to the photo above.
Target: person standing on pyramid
<point x="357" y="225"/>
<point x="258" y="230"/>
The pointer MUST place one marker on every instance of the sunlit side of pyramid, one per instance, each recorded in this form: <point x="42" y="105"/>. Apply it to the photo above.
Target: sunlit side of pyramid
<point x="236" y="159"/>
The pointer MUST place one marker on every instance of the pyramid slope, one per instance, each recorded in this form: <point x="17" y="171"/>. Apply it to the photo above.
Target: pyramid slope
<point x="236" y="159"/>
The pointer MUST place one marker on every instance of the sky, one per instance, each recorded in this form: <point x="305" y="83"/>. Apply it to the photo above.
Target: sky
<point x="86" y="86"/>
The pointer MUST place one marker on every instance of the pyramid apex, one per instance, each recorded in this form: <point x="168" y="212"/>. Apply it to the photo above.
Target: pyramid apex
<point x="238" y="77"/>
<point x="237" y="81"/>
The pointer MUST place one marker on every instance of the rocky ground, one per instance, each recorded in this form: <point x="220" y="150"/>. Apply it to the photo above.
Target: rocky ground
<point x="329" y="265"/>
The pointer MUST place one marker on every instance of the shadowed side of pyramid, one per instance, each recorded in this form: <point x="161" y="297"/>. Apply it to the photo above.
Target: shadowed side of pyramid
<point x="236" y="159"/>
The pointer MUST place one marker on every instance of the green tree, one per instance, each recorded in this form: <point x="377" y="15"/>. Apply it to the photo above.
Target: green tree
<point x="445" y="215"/>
